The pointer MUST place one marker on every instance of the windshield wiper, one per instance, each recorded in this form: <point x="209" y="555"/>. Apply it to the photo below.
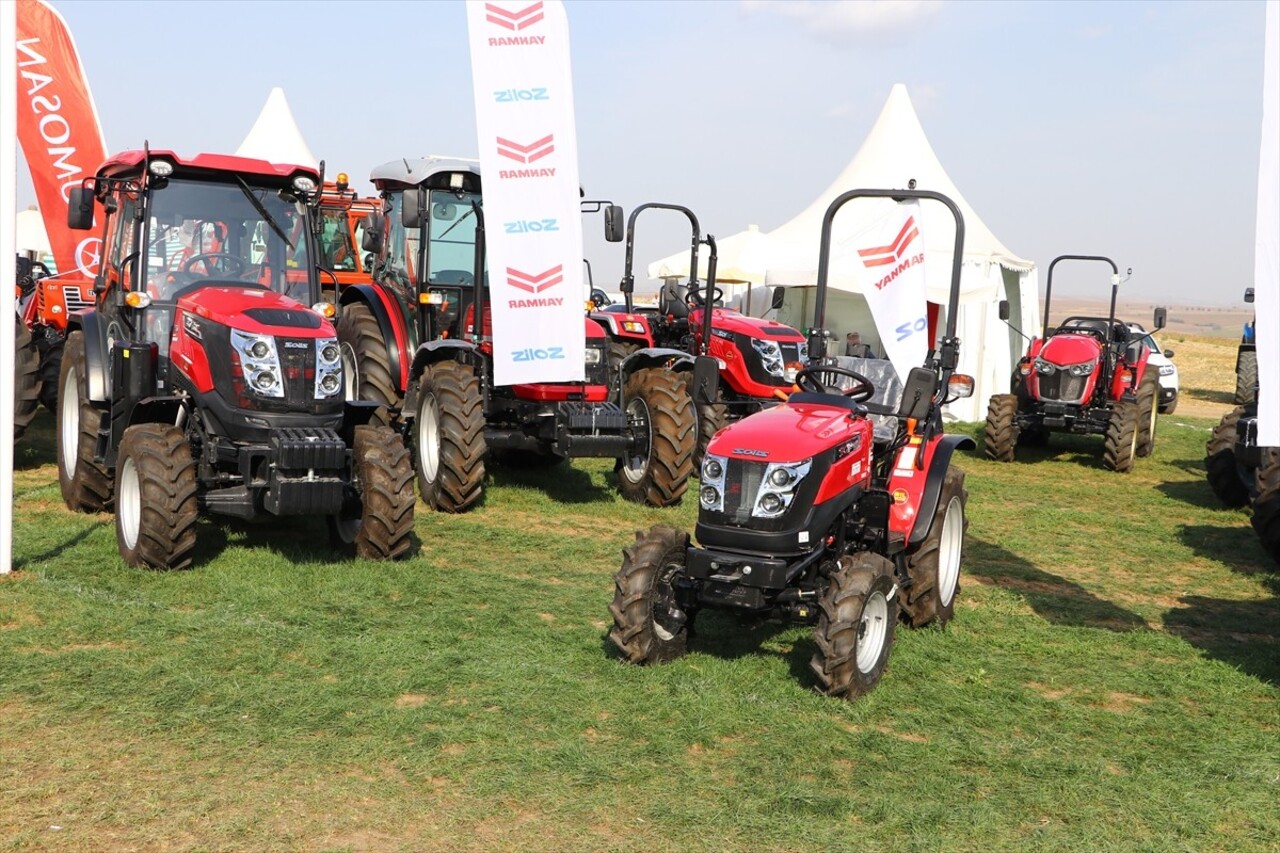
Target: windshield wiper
<point x="459" y="221"/>
<point x="262" y="211"/>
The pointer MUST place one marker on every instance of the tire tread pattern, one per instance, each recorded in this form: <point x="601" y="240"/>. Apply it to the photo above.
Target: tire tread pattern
<point x="840" y="611"/>
<point x="1220" y="462"/>
<point x="672" y="427"/>
<point x="90" y="488"/>
<point x="632" y="608"/>
<point x="920" y="603"/>
<point x="459" y="483"/>
<point x="1001" y="434"/>
<point x="168" y="491"/>
<point x="383" y="469"/>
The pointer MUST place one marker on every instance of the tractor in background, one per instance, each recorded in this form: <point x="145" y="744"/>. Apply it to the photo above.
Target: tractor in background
<point x="340" y="221"/>
<point x="206" y="377"/>
<point x="1087" y="376"/>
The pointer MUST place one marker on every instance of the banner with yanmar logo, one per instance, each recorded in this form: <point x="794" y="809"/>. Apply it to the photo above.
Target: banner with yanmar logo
<point x="529" y="160"/>
<point x="892" y="256"/>
<point x="57" y="128"/>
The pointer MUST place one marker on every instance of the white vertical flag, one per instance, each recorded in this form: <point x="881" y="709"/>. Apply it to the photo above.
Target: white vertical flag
<point x="1266" y="264"/>
<point x="529" y="159"/>
<point x="894" y="286"/>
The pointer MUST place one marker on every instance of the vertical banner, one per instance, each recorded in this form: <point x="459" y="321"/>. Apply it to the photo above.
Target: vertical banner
<point x="529" y="160"/>
<point x="57" y="128"/>
<point x="1266" y="263"/>
<point x="894" y="286"/>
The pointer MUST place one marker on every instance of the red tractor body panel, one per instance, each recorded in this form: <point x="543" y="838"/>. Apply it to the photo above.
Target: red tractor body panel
<point x="727" y="326"/>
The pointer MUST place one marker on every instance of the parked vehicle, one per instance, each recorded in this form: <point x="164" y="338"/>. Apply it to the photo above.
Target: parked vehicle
<point x="813" y="511"/>
<point x="1247" y="360"/>
<point x="1242" y="472"/>
<point x="1161" y="361"/>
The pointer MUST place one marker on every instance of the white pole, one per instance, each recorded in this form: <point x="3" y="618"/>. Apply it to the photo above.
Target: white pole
<point x="8" y="251"/>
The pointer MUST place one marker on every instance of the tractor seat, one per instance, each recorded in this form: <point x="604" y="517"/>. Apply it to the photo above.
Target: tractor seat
<point x="671" y="301"/>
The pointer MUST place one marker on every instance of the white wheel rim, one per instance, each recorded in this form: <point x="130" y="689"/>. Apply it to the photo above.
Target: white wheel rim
<point x="129" y="503"/>
<point x="635" y="466"/>
<point x="428" y="438"/>
<point x="872" y="630"/>
<point x="350" y="378"/>
<point x="949" y="551"/>
<point x="69" y="422"/>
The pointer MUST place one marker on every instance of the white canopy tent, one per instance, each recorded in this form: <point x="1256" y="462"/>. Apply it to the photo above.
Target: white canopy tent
<point x="740" y="268"/>
<point x="275" y="136"/>
<point x="30" y="233"/>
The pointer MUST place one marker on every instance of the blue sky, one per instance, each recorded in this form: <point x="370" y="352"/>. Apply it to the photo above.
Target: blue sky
<point x="1128" y="129"/>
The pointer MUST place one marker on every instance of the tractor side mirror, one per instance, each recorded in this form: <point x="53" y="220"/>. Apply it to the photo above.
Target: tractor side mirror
<point x="1161" y="318"/>
<point x="1004" y="309"/>
<point x="917" y="393"/>
<point x="80" y="209"/>
<point x="411" y="208"/>
<point x="779" y="296"/>
<point x="706" y="380"/>
<point x="1168" y="353"/>
<point x="1248" y="295"/>
<point x="371" y="240"/>
<point x="613" y="223"/>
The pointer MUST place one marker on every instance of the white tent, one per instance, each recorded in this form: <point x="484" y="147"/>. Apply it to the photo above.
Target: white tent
<point x="275" y="136"/>
<point x="740" y="269"/>
<point x="30" y="233"/>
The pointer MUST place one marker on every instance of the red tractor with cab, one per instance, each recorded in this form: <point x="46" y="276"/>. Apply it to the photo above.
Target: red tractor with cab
<point x="207" y="378"/>
<point x="838" y="508"/>
<point x="411" y="343"/>
<point x="1089" y="375"/>
<point x="341" y="216"/>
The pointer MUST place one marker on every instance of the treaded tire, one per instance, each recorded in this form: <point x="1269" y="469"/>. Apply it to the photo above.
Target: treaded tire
<point x="618" y="352"/>
<point x="1170" y="407"/>
<point x="1001" y="434"/>
<point x="1266" y="509"/>
<point x="644" y="580"/>
<point x="380" y="527"/>
<point x="661" y="413"/>
<point x="1222" y="470"/>
<point x="50" y="362"/>
<point x="1148" y="409"/>
<point x="448" y="437"/>
<point x="1246" y="377"/>
<point x="1120" y="444"/>
<point x="934" y="568"/>
<point x="26" y="379"/>
<point x="366" y="359"/>
<point x="856" y="618"/>
<point x="156" y="508"/>
<point x="85" y="483"/>
<point x="710" y="418"/>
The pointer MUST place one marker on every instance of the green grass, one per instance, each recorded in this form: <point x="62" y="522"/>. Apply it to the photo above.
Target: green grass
<point x="1111" y="681"/>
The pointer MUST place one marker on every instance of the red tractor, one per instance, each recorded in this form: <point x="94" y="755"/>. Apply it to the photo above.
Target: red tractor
<point x="828" y="509"/>
<point x="341" y="216"/>
<point x="207" y="378"/>
<point x="48" y="301"/>
<point x="412" y="344"/>
<point x="1087" y="376"/>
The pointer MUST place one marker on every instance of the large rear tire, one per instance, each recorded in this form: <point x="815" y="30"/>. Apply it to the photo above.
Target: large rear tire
<point x="448" y="430"/>
<point x="1120" y="444"/>
<point x="856" y="617"/>
<point x="661" y="416"/>
<point x="1001" y="436"/>
<point x="1246" y="377"/>
<point x="156" y="508"/>
<point x="366" y="360"/>
<point x="85" y="483"/>
<point x="1266" y="509"/>
<point x="645" y="628"/>
<point x="934" y="568"/>
<point x="26" y="379"/>
<point x="50" y="363"/>
<point x="380" y="525"/>
<point x="618" y="352"/>
<point x="711" y="419"/>
<point x="1224" y="474"/>
<point x="1148" y="409"/>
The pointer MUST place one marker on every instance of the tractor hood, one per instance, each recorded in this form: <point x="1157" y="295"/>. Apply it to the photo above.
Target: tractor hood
<point x="728" y="320"/>
<point x="256" y="311"/>
<point x="788" y="433"/>
<point x="1068" y="349"/>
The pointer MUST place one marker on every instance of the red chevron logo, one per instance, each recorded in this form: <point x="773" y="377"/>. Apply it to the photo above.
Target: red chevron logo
<point x="526" y="153"/>
<point x="882" y="255"/>
<point x="535" y="283"/>
<point x="514" y="21"/>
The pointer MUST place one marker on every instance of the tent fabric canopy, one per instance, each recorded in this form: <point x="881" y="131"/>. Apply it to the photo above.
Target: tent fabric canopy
<point x="275" y="136"/>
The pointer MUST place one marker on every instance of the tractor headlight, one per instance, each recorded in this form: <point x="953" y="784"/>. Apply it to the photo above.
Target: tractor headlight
<point x="1044" y="367"/>
<point x="779" y="487"/>
<point x="594" y="356"/>
<point x="1082" y="369"/>
<point x="328" y="368"/>
<point x="770" y="356"/>
<point x="260" y="362"/>
<point x="711" y="495"/>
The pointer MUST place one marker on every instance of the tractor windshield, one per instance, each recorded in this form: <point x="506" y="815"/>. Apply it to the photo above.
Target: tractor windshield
<point x="451" y="236"/>
<point x="337" y="246"/>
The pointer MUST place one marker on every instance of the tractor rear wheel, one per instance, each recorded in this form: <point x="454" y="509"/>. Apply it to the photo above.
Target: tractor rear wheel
<point x="856" y="617"/>
<point x="50" y="362"/>
<point x="648" y="625"/>
<point x="1266" y="509"/>
<point x="366" y="359"/>
<point x="1224" y="474"/>
<point x="448" y="431"/>
<point x="1148" y="409"/>
<point x="661" y="416"/>
<point x="934" y="569"/>
<point x="1120" y="445"/>
<point x="711" y="419"/>
<point x="1002" y="428"/>
<point x="26" y="379"/>
<point x="1246" y="377"/>
<point x="85" y="483"/>
<point x="618" y="352"/>
<point x="156" y="508"/>
<point x="378" y="526"/>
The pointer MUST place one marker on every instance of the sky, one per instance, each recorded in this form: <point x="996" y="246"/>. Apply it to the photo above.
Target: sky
<point x="1128" y="129"/>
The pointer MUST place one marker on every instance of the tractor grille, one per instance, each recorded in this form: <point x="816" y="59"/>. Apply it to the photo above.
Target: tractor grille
<point x="1062" y="387"/>
<point x="741" y="487"/>
<point x="75" y="299"/>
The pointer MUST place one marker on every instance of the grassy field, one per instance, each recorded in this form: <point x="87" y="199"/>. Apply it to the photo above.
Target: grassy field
<point x="1111" y="681"/>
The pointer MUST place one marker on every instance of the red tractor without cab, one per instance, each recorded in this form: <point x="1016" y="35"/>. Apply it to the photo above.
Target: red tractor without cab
<point x="207" y="376"/>
<point x="828" y="509"/>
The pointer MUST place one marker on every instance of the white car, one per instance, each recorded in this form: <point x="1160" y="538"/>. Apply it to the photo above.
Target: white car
<point x="1162" y="360"/>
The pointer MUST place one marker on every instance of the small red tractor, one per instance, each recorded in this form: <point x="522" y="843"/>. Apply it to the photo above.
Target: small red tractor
<point x="828" y="509"/>
<point x="412" y="344"/>
<point x="206" y="377"/>
<point x="1087" y="376"/>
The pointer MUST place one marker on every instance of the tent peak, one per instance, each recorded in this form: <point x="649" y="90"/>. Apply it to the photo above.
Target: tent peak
<point x="275" y="136"/>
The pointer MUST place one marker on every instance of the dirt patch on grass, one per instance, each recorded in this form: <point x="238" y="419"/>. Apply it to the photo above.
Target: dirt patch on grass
<point x="410" y="700"/>
<point x="1121" y="703"/>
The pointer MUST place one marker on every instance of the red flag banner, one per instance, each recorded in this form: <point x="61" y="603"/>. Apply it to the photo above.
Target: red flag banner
<point x="57" y="128"/>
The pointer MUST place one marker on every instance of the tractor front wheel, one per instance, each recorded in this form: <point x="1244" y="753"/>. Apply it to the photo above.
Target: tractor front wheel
<point x="1246" y="377"/>
<point x="85" y="483"/>
<point x="1266" y="509"/>
<point x="1148" y="409"/>
<point x="1120" y="445"/>
<point x="648" y="624"/>
<point x="379" y="525"/>
<point x="662" y="421"/>
<point x="449" y="445"/>
<point x="854" y="635"/>
<point x="1224" y="472"/>
<point x="935" y="568"/>
<point x="366" y="359"/>
<point x="1002" y="429"/>
<point x="26" y="379"/>
<point x="156" y="507"/>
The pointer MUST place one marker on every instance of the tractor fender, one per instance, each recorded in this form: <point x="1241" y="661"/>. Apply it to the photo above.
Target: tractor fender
<point x="155" y="410"/>
<point x="392" y="326"/>
<point x="98" y="378"/>
<point x="676" y="360"/>
<point x="452" y="349"/>
<point x="933" y="483"/>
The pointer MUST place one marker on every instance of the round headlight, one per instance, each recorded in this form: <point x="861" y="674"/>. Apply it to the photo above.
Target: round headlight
<point x="712" y="469"/>
<point x="330" y="383"/>
<point x="259" y="349"/>
<point x="265" y="379"/>
<point x="304" y="184"/>
<point x="770" y="503"/>
<point x="329" y="352"/>
<point x="780" y="477"/>
<point x="160" y="168"/>
<point x="709" y="495"/>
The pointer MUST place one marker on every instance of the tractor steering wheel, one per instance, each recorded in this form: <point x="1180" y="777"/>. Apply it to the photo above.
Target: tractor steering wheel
<point x="693" y="298"/>
<point x="808" y="380"/>
<point x="213" y="269"/>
